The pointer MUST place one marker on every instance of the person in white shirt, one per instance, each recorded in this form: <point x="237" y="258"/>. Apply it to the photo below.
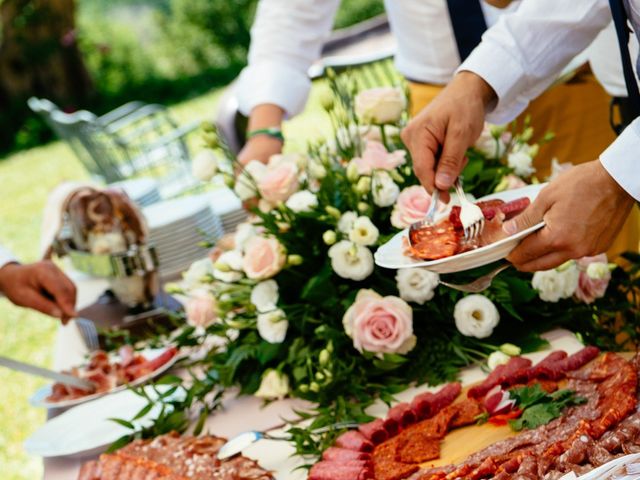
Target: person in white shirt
<point x="41" y="286"/>
<point x="287" y="37"/>
<point x="585" y="207"/>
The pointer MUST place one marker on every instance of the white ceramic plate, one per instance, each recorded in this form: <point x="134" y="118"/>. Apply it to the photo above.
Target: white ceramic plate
<point x="39" y="398"/>
<point x="391" y="254"/>
<point x="86" y="429"/>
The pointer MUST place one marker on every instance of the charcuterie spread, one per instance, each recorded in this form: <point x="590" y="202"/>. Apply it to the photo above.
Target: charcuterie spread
<point x="567" y="413"/>
<point x="446" y="237"/>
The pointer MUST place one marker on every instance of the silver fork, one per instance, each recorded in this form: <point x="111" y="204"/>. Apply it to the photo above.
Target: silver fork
<point x="479" y="284"/>
<point x="89" y="333"/>
<point x="427" y="220"/>
<point x="471" y="215"/>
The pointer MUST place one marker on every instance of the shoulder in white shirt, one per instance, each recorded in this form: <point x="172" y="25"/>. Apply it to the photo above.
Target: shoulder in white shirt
<point x="5" y="257"/>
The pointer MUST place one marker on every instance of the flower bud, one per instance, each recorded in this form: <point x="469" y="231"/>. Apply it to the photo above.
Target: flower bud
<point x="364" y="185"/>
<point x="303" y="388"/>
<point x="527" y="134"/>
<point x="229" y="181"/>
<point x="510" y="349"/>
<point x="497" y="130"/>
<point x="319" y="376"/>
<point x="329" y="237"/>
<point x="326" y="99"/>
<point x="314" y="387"/>
<point x="352" y="172"/>
<point x="363" y="207"/>
<point x="330" y="347"/>
<point x="533" y="150"/>
<point x="283" y="226"/>
<point x="396" y="176"/>
<point x="208" y="126"/>
<point x="324" y="357"/>
<point x="333" y="211"/>
<point x="497" y="358"/>
<point x="210" y="139"/>
<point x="223" y="267"/>
<point x="565" y="266"/>
<point x="294" y="260"/>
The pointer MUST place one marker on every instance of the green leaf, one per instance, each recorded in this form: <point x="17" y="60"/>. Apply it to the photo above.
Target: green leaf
<point x="267" y="351"/>
<point x="169" y="380"/>
<point x="535" y="416"/>
<point x="119" y="443"/>
<point x="527" y="395"/>
<point x="122" y="422"/>
<point x="146" y="409"/>
<point x="319" y="288"/>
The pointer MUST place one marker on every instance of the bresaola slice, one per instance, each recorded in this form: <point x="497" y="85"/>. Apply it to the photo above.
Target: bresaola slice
<point x="353" y="440"/>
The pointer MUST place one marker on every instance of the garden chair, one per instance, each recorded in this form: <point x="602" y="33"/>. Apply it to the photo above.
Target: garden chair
<point x="135" y="140"/>
<point x="348" y="50"/>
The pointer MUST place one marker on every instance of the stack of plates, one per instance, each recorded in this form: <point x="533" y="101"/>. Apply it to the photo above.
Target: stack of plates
<point x="177" y="226"/>
<point x="228" y="207"/>
<point x="143" y="191"/>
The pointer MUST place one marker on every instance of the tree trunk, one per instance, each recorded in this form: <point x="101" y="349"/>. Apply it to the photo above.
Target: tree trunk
<point x="39" y="54"/>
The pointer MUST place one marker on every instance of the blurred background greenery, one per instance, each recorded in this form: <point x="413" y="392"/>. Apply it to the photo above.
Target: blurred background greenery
<point x="174" y="52"/>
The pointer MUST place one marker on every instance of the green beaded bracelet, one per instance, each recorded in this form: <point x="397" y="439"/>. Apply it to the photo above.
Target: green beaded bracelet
<point x="272" y="132"/>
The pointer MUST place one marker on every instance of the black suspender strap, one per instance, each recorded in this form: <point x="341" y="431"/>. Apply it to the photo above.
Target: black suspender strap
<point x="620" y="19"/>
<point x="467" y="20"/>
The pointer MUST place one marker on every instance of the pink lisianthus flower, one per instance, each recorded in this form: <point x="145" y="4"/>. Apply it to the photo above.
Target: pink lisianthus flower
<point x="594" y="278"/>
<point x="376" y="157"/>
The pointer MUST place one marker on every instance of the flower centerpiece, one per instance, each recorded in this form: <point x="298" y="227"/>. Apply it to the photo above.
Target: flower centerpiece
<point x="301" y="309"/>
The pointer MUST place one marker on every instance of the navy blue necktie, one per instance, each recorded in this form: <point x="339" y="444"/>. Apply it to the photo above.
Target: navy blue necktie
<point x="468" y="24"/>
<point x="619" y="14"/>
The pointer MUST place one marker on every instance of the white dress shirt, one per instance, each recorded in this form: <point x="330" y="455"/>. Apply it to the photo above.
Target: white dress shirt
<point x="524" y="52"/>
<point x="287" y="37"/>
<point x="5" y="257"/>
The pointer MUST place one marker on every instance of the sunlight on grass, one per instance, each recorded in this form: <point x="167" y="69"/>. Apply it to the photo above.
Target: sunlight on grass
<point x="27" y="177"/>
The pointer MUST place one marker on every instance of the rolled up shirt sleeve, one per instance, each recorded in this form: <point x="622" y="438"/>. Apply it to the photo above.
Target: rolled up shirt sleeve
<point x="622" y="159"/>
<point x="525" y="51"/>
<point x="5" y="257"/>
<point x="286" y="38"/>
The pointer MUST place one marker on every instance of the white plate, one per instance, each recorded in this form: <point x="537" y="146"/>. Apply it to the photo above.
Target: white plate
<point x="86" y="430"/>
<point x="39" y="398"/>
<point x="391" y="254"/>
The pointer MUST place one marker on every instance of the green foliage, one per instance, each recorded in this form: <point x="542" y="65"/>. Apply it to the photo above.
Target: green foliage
<point x="539" y="407"/>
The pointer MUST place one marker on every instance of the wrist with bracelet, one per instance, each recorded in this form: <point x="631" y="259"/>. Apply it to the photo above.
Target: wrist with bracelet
<point x="273" y="132"/>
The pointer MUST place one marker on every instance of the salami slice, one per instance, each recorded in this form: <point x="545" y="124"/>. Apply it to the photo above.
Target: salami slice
<point x="337" y="454"/>
<point x="353" y="440"/>
<point x="422" y="405"/>
<point x="514" y="207"/>
<point x="502" y="374"/>
<point x="437" y="241"/>
<point x="548" y="367"/>
<point x="350" y="470"/>
<point x="403" y="415"/>
<point x="580" y="358"/>
<point x="374" y="431"/>
<point x="446" y="395"/>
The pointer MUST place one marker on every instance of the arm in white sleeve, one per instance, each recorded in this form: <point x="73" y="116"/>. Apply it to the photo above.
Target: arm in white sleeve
<point x="5" y="257"/>
<point x="286" y="38"/>
<point x="525" y="51"/>
<point x="622" y="159"/>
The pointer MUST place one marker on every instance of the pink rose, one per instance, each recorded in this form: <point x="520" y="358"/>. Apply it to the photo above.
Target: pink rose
<point x="411" y="206"/>
<point x="376" y="157"/>
<point x="279" y="182"/>
<point x="594" y="278"/>
<point x="264" y="257"/>
<point x="380" y="324"/>
<point x="201" y="309"/>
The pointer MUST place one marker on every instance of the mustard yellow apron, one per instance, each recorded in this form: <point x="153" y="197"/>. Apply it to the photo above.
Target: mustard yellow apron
<point x="577" y="112"/>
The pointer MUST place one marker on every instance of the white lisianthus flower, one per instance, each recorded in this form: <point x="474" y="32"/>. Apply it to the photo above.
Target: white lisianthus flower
<point x="380" y="105"/>
<point x="490" y="142"/>
<point x="521" y="161"/>
<point x="265" y="296"/>
<point x="274" y="385"/>
<point x="228" y="267"/>
<point x="553" y="285"/>
<point x="244" y="232"/>
<point x="197" y="272"/>
<point x="364" y="232"/>
<point x="351" y="261"/>
<point x="417" y="284"/>
<point x="384" y="189"/>
<point x="302" y="201"/>
<point x="345" y="224"/>
<point x="273" y="326"/>
<point x="476" y="316"/>
<point x="248" y="179"/>
<point x="316" y="170"/>
<point x="204" y="165"/>
<point x="345" y="136"/>
<point x="497" y="358"/>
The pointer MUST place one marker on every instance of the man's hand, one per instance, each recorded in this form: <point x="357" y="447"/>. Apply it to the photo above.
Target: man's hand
<point x="41" y="286"/>
<point x="440" y="134"/>
<point x="260" y="148"/>
<point x="583" y="210"/>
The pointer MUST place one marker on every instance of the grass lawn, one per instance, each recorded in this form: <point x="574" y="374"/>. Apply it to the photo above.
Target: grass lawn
<point x="26" y="178"/>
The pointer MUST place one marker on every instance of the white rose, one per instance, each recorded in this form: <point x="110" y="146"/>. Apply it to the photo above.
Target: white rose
<point x="273" y="325"/>
<point x="274" y="385"/>
<point x="246" y="182"/>
<point x="417" y="284"/>
<point x="302" y="201"/>
<point x="521" y="162"/>
<point x="351" y="261"/>
<point x="552" y="285"/>
<point x="204" y="165"/>
<point x="197" y="272"/>
<point x="598" y="270"/>
<point x="497" y="358"/>
<point x="380" y="105"/>
<point x="476" y="316"/>
<point x="265" y="295"/>
<point x="364" y="232"/>
<point x="384" y="189"/>
<point x="228" y="267"/>
<point x="345" y="224"/>
<point x="488" y="144"/>
<point x="244" y="232"/>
